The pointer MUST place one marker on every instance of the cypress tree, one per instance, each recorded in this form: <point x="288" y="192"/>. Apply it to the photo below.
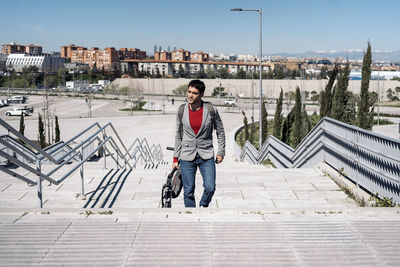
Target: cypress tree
<point x="297" y="129"/>
<point x="306" y="123"/>
<point x="246" y="127"/>
<point x="264" y="123"/>
<point x="341" y="96"/>
<point x="57" y="130"/>
<point x="278" y="117"/>
<point x="287" y="128"/>
<point x="252" y="132"/>
<point x="365" y="117"/>
<point x="42" y="137"/>
<point x="22" y="124"/>
<point x="326" y="95"/>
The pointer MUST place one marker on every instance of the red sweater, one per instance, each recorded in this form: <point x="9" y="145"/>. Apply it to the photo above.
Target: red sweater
<point x="195" y="119"/>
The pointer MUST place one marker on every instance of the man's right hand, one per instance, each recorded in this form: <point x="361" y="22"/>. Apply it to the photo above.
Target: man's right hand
<point x="175" y="165"/>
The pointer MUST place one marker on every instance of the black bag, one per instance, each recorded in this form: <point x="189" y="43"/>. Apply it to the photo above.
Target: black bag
<point x="172" y="188"/>
<point x="176" y="184"/>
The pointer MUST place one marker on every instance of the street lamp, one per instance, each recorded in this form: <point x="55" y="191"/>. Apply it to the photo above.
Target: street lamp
<point x="259" y="11"/>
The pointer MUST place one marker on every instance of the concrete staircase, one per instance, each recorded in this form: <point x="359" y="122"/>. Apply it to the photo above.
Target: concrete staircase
<point x="258" y="216"/>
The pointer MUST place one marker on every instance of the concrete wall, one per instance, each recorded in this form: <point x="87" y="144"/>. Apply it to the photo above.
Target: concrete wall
<point x="271" y="88"/>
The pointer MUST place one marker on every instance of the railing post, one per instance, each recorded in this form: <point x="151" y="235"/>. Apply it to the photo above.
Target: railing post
<point x="117" y="160"/>
<point x="104" y="151"/>
<point x="82" y="175"/>
<point x="39" y="183"/>
<point x="357" y="158"/>
<point x="323" y="141"/>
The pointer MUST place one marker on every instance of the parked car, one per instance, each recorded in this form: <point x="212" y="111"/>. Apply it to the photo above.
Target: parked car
<point x="17" y="99"/>
<point x="230" y="102"/>
<point x="28" y="109"/>
<point x="4" y="102"/>
<point x="18" y="111"/>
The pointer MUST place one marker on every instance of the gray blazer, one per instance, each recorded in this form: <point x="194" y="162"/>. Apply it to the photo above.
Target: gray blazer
<point x="188" y="144"/>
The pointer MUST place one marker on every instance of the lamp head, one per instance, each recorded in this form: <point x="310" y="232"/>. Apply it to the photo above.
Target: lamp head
<point x="236" y="9"/>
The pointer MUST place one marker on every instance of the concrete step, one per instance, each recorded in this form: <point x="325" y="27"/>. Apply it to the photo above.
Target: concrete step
<point x="286" y="243"/>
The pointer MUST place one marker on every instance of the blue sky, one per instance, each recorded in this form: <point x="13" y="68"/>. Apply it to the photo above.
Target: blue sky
<point x="288" y="25"/>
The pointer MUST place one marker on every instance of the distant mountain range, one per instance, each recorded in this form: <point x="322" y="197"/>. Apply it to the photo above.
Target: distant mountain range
<point x="354" y="54"/>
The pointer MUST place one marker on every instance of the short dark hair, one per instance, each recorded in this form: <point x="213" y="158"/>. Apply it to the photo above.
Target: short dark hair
<point x="199" y="85"/>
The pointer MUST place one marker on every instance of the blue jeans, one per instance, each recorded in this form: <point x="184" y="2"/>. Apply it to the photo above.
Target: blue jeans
<point x="207" y="170"/>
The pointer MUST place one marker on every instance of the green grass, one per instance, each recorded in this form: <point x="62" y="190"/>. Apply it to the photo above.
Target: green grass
<point x="383" y="122"/>
<point x="387" y="115"/>
<point x="136" y="108"/>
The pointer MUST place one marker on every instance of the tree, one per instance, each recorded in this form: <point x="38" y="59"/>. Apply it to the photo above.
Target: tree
<point x="314" y="96"/>
<point x="223" y="73"/>
<point x="181" y="90"/>
<point x="57" y="130"/>
<point x="365" y="112"/>
<point x="341" y="96"/>
<point x="42" y="136"/>
<point x="219" y="90"/>
<point x="181" y="72"/>
<point x="210" y="73"/>
<point x="246" y="127"/>
<point x="287" y="128"/>
<point x="264" y="123"/>
<point x="278" y="118"/>
<point x="390" y="94"/>
<point x="326" y="95"/>
<point x="241" y="74"/>
<point x="252" y="131"/>
<point x="22" y="124"/>
<point x="297" y="128"/>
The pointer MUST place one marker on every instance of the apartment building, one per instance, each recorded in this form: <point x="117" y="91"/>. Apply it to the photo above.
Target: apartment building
<point x="131" y="53"/>
<point x="14" y="48"/>
<point x="163" y="55"/>
<point x="94" y="57"/>
<point x="180" y="55"/>
<point x="199" y="57"/>
<point x="108" y="58"/>
<point x="66" y="51"/>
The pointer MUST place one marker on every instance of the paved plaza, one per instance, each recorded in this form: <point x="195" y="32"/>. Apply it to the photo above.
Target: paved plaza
<point x="259" y="215"/>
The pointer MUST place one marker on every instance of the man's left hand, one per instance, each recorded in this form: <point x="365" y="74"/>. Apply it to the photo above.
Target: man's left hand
<point x="219" y="159"/>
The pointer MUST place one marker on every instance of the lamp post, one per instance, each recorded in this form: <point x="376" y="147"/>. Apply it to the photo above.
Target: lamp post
<point x="259" y="11"/>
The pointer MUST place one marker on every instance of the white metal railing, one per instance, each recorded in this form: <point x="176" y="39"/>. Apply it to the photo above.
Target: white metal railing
<point x="29" y="156"/>
<point x="370" y="160"/>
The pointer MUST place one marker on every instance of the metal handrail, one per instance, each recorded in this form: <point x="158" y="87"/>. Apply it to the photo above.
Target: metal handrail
<point x="369" y="159"/>
<point x="151" y="156"/>
<point x="26" y="140"/>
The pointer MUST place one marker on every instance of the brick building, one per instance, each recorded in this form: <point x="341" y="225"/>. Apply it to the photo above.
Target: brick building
<point x="131" y="53"/>
<point x="163" y="55"/>
<point x="200" y="57"/>
<point x="180" y="55"/>
<point x="94" y="57"/>
<point x="66" y="51"/>
<point x="108" y="58"/>
<point x="14" y="48"/>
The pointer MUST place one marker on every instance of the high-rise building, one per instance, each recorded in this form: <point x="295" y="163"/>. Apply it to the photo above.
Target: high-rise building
<point x="66" y="51"/>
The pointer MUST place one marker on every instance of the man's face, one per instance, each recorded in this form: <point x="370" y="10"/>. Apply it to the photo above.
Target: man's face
<point x="193" y="95"/>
